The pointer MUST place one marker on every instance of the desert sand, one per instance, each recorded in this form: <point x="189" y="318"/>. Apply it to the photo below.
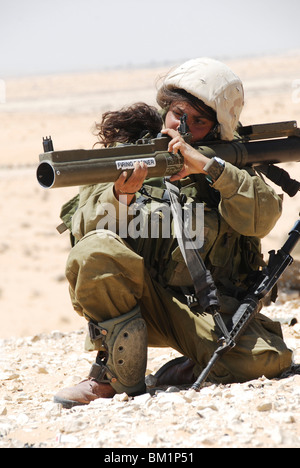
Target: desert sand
<point x="34" y="297"/>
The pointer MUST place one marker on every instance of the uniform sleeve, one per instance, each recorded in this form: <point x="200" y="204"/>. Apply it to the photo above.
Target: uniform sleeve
<point x="248" y="204"/>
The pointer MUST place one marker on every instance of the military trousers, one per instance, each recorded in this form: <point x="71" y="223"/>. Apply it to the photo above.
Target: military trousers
<point x="108" y="279"/>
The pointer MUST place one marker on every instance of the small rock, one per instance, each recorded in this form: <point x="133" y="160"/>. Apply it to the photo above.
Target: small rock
<point x="36" y="338"/>
<point x="172" y="390"/>
<point x="190" y="395"/>
<point x="265" y="406"/>
<point x="142" y="399"/>
<point x="206" y="441"/>
<point x="150" y="381"/>
<point x="42" y="370"/>
<point x="3" y="411"/>
<point x="121" y="397"/>
<point x="9" y="376"/>
<point x="144" y="439"/>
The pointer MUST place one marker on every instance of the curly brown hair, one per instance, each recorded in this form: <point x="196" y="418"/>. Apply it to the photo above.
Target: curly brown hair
<point x="128" y="124"/>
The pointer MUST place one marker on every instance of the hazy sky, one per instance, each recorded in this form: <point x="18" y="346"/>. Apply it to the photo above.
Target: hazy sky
<point x="45" y="36"/>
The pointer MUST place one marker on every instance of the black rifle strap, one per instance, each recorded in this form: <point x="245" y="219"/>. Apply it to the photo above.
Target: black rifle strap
<point x="205" y="289"/>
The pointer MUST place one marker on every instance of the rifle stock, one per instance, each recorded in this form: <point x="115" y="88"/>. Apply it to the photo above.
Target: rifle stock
<point x="264" y="144"/>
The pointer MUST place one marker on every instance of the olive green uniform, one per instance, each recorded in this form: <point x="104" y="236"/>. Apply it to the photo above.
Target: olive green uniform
<point x="109" y="274"/>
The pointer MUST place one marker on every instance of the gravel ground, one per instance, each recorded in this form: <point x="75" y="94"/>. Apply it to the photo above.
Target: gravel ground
<point x="261" y="413"/>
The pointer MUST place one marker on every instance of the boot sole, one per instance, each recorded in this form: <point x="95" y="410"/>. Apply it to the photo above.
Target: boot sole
<point x="68" y="404"/>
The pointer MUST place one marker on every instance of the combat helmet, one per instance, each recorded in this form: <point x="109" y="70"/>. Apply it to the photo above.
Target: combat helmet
<point x="216" y="85"/>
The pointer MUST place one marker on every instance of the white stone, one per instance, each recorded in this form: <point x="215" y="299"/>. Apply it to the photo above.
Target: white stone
<point x="143" y="439"/>
<point x="142" y="399"/>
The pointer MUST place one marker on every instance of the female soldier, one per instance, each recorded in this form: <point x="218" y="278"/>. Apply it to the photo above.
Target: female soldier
<point x="130" y="290"/>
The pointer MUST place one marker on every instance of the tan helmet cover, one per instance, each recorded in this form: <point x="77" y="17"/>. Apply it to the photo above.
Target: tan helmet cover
<point x="216" y="85"/>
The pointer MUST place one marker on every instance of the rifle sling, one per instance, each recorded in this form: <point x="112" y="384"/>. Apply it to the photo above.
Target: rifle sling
<point x="205" y="289"/>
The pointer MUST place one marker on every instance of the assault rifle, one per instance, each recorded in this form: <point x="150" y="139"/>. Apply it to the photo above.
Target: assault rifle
<point x="246" y="312"/>
<point x="261" y="145"/>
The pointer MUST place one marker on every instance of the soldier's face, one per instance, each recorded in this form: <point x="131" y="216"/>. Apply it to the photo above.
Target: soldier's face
<point x="199" y="126"/>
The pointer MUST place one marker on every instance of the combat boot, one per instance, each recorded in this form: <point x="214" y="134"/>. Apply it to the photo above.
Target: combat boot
<point x="119" y="368"/>
<point x="178" y="371"/>
<point x="86" y="391"/>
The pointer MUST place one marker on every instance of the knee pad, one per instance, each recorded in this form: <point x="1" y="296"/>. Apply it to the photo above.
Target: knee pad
<point x="124" y="359"/>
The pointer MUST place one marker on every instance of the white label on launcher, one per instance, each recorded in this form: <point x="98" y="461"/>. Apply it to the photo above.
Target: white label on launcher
<point x="129" y="163"/>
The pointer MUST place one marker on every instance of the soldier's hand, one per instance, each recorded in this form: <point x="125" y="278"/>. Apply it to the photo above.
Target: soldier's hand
<point x="126" y="187"/>
<point x="194" y="161"/>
